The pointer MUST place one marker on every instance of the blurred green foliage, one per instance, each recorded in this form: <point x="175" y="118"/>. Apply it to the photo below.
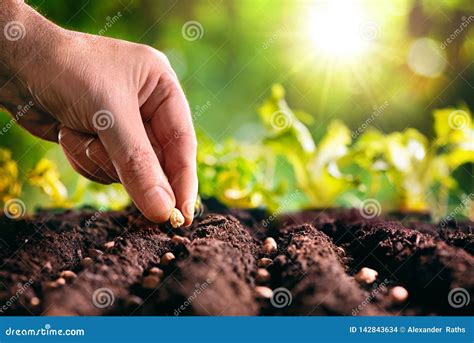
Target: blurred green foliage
<point x="246" y="46"/>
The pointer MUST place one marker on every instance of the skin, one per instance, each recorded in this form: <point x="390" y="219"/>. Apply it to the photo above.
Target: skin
<point x="116" y="108"/>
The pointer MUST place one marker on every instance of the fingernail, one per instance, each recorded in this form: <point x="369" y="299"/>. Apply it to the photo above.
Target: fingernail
<point x="189" y="209"/>
<point x="158" y="200"/>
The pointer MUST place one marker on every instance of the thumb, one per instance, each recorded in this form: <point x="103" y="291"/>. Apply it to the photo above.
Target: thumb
<point x="125" y="140"/>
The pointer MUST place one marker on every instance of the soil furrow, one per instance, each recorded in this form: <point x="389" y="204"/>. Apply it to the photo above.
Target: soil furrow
<point x="215" y="278"/>
<point x="309" y="267"/>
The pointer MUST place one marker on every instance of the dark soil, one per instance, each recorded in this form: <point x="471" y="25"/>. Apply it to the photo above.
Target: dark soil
<point x="215" y="269"/>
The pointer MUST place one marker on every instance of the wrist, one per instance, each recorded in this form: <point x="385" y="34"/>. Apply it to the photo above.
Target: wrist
<point x="26" y="38"/>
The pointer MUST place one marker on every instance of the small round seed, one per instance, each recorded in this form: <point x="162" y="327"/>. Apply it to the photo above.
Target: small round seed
<point x="269" y="248"/>
<point x="341" y="251"/>
<point x="264" y="262"/>
<point x="176" y="218"/>
<point x="87" y="262"/>
<point x="60" y="281"/>
<point x="269" y="240"/>
<point x="366" y="275"/>
<point x="35" y="301"/>
<point x="263" y="292"/>
<point x="398" y="294"/>
<point x="68" y="275"/>
<point x="262" y="276"/>
<point x="94" y="253"/>
<point x="180" y="239"/>
<point x="167" y="258"/>
<point x="48" y="286"/>
<point x="156" y="272"/>
<point x="109" y="245"/>
<point x="150" y="282"/>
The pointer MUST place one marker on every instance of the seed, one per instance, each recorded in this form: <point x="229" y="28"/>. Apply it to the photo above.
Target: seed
<point x="180" y="239"/>
<point x="263" y="292"/>
<point x="366" y="275"/>
<point x="35" y="301"/>
<point x="167" y="258"/>
<point x="86" y="262"/>
<point x="94" y="253"/>
<point x="176" y="218"/>
<point x="341" y="251"/>
<point x="269" y="240"/>
<point x="156" y="272"/>
<point x="68" y="275"/>
<point x="269" y="248"/>
<point x="48" y="286"/>
<point x="150" y="282"/>
<point x="264" y="262"/>
<point x="60" y="281"/>
<point x="262" y="275"/>
<point x="398" y="294"/>
<point x="109" y="245"/>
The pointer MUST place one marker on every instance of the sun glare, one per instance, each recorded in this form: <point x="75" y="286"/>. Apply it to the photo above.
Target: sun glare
<point x="339" y="29"/>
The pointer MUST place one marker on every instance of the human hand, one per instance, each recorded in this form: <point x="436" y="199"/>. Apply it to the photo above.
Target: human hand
<point x="116" y="108"/>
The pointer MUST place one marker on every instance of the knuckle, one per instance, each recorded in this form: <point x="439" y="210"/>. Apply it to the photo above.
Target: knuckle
<point x="153" y="53"/>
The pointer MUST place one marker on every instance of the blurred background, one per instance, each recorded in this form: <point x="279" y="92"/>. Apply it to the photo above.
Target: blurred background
<point x="336" y="59"/>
